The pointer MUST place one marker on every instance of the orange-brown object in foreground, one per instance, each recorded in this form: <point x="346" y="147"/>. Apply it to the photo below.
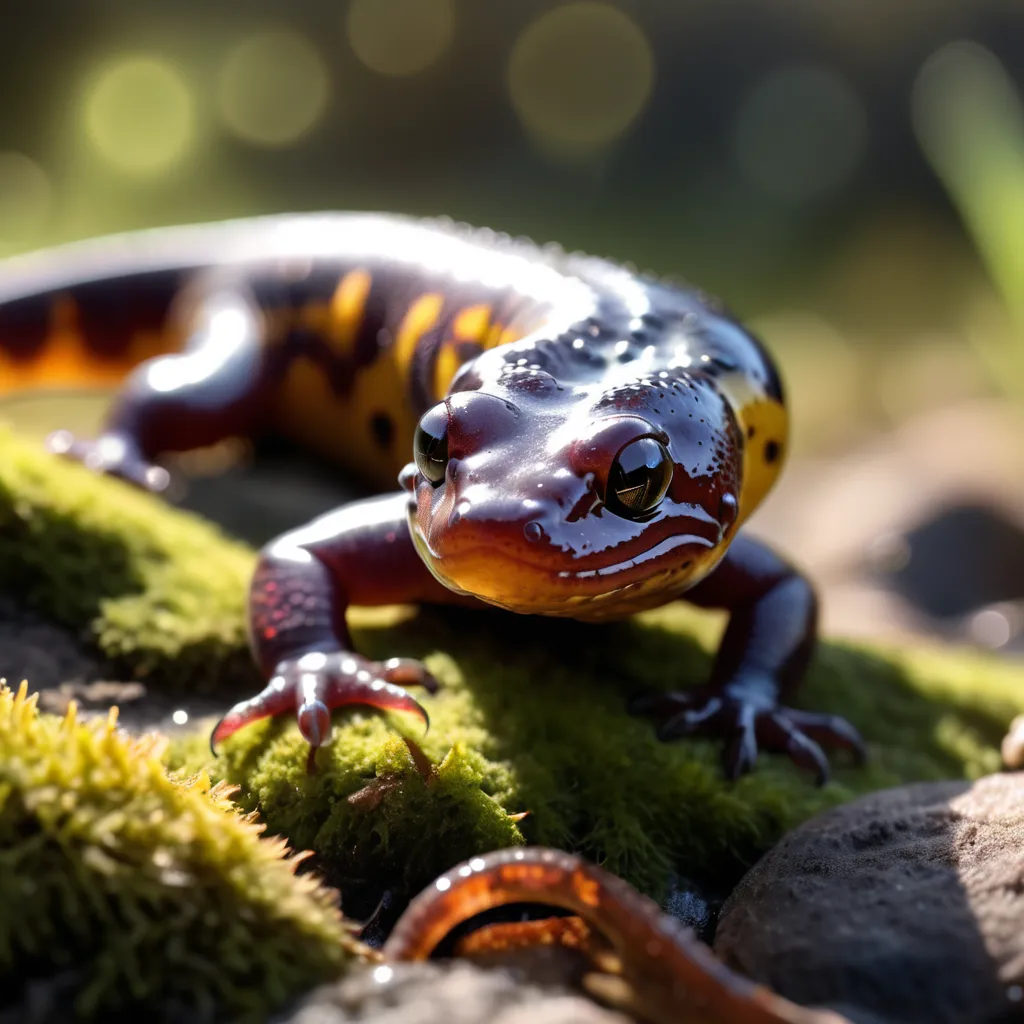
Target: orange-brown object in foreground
<point x="665" y="974"/>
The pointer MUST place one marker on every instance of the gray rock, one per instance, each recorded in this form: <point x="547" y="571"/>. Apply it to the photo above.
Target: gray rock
<point x="445" y="993"/>
<point x="905" y="906"/>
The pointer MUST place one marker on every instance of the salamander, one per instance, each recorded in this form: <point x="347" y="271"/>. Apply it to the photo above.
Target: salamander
<point x="653" y="967"/>
<point x="570" y="438"/>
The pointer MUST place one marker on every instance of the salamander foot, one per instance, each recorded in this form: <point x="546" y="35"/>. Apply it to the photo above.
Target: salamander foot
<point x="112" y="454"/>
<point x="747" y="719"/>
<point x="314" y="683"/>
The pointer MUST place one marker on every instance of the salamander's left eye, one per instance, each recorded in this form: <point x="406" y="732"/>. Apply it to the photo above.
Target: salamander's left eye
<point x="430" y="447"/>
<point x="639" y="478"/>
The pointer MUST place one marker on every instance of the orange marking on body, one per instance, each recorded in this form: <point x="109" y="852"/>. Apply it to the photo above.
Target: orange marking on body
<point x="63" y="360"/>
<point x="472" y="323"/>
<point x="346" y="310"/>
<point x="448" y="362"/>
<point x="309" y="411"/>
<point x="314" y="317"/>
<point x="421" y="317"/>
<point x="507" y="336"/>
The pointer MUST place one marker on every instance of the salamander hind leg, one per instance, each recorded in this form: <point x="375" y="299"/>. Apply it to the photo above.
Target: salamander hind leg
<point x="304" y="582"/>
<point x="763" y="656"/>
<point x="216" y="388"/>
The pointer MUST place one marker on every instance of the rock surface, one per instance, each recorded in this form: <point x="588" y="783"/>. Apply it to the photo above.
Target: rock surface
<point x="905" y="906"/>
<point x="1013" y="744"/>
<point x="437" y="993"/>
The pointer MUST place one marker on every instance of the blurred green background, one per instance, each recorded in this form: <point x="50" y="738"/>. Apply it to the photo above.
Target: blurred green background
<point x="847" y="175"/>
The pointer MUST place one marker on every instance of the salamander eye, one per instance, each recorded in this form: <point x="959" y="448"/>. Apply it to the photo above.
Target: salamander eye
<point x="430" y="447"/>
<point x="639" y="478"/>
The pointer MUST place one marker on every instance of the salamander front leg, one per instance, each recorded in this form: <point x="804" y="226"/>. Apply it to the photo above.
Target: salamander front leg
<point x="217" y="388"/>
<point x="304" y="582"/>
<point x="763" y="656"/>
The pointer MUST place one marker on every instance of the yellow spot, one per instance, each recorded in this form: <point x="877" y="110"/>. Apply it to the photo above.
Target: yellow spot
<point x="140" y="114"/>
<point x="472" y="323"/>
<point x="347" y="305"/>
<point x="420" y="318"/>
<point x="494" y="335"/>
<point x="25" y="197"/>
<point x="507" y="336"/>
<point x="769" y="422"/>
<point x="580" y="75"/>
<point x="273" y="88"/>
<point x="338" y="427"/>
<point x="444" y="369"/>
<point x="400" y="37"/>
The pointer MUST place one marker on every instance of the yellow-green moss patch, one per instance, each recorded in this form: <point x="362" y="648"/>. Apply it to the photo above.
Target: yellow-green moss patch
<point x="160" y="595"/>
<point x="155" y="893"/>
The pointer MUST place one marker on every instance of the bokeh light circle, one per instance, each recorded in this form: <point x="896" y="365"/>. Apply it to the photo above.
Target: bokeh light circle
<point x="140" y="114"/>
<point x="26" y="197"/>
<point x="273" y="88"/>
<point x="400" y="37"/>
<point x="800" y="134"/>
<point x="580" y="75"/>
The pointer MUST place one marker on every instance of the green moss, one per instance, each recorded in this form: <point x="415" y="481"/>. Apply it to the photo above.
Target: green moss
<point x="157" y="894"/>
<point x="540" y="702"/>
<point x="160" y="595"/>
<point x="531" y="716"/>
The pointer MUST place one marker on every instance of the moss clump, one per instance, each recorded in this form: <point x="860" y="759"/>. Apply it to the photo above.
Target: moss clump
<point x="161" y="596"/>
<point x="157" y="894"/>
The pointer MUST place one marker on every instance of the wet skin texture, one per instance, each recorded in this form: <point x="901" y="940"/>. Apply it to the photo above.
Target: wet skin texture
<point x="646" y="963"/>
<point x="570" y="439"/>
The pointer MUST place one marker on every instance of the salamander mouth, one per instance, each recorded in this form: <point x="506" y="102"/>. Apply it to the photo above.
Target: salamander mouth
<point x="650" y="555"/>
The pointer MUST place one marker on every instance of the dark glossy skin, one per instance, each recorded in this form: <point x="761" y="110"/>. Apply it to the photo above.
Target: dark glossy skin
<point x="590" y="441"/>
<point x="657" y="969"/>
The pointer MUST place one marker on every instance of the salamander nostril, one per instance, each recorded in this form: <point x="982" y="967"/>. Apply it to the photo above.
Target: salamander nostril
<point x="532" y="531"/>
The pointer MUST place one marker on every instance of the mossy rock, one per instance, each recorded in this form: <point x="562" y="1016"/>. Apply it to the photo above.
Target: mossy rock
<point x="530" y="717"/>
<point x="127" y="890"/>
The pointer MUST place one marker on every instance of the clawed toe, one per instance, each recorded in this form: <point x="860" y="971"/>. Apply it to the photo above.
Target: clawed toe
<point x="748" y="725"/>
<point x="830" y="732"/>
<point x="315" y="683"/>
<point x="113" y="456"/>
<point x="408" y="672"/>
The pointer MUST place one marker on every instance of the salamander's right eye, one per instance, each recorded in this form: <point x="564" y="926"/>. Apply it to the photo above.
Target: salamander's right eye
<point x="430" y="447"/>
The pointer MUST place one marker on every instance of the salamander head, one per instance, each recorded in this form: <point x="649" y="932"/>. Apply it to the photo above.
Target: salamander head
<point x="575" y="500"/>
